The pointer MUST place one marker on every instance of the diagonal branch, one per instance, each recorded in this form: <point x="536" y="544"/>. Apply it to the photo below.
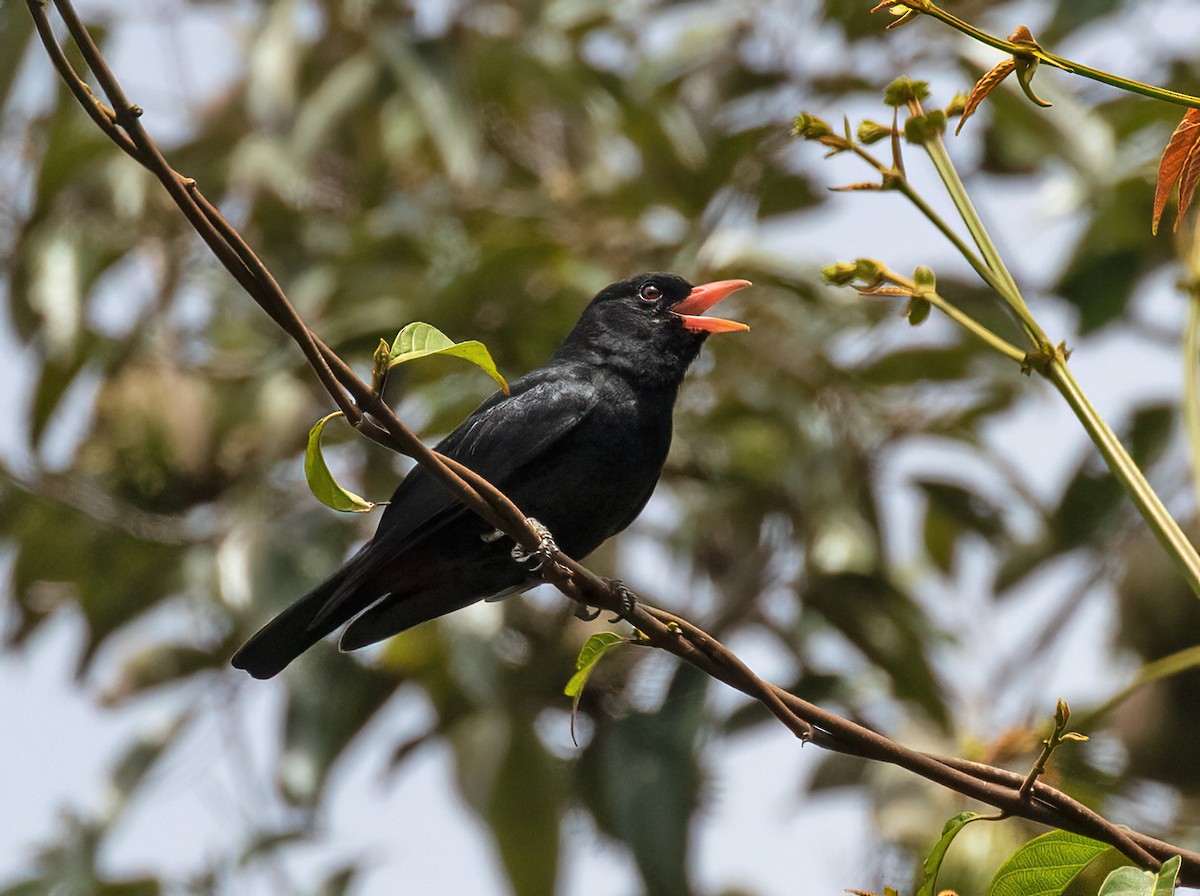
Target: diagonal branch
<point x="1025" y="50"/>
<point x="365" y="408"/>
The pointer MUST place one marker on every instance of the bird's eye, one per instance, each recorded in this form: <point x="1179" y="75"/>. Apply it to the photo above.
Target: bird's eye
<point x="650" y="292"/>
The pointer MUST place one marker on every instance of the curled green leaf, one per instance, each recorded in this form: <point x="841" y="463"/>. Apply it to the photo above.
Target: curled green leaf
<point x="585" y="664"/>
<point x="1026" y="66"/>
<point x="321" y="482"/>
<point x="933" y="862"/>
<point x="421" y="340"/>
<point x="589" y="655"/>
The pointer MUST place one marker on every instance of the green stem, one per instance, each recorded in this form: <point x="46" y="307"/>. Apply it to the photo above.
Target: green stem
<point x="977" y="329"/>
<point x="1161" y="523"/>
<point x="947" y="231"/>
<point x="1002" y="280"/>
<point x="900" y="183"/>
<point x="1052" y="59"/>
<point x="1191" y="386"/>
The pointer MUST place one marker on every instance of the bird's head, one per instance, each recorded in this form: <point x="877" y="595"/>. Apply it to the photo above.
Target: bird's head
<point x="651" y="323"/>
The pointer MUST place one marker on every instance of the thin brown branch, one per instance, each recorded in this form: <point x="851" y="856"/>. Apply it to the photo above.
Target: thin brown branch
<point x="376" y="420"/>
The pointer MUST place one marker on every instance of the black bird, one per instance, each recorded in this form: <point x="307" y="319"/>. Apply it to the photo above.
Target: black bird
<point x="577" y="444"/>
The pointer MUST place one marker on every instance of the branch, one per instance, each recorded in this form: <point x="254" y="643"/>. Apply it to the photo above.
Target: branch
<point x="1033" y="51"/>
<point x="365" y="408"/>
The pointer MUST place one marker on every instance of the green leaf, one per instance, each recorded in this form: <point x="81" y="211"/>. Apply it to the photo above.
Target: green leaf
<point x="589" y="655"/>
<point x="917" y="311"/>
<point x="933" y="862"/>
<point x="420" y="340"/>
<point x="1045" y="865"/>
<point x="1167" y="877"/>
<point x="321" y="482"/>
<point x="1130" y="881"/>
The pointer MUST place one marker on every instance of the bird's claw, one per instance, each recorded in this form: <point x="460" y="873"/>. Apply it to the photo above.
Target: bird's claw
<point x="628" y="599"/>
<point x="545" y="553"/>
<point x="586" y="613"/>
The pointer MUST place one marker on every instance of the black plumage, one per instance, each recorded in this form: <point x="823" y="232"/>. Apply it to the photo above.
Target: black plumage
<point x="577" y="444"/>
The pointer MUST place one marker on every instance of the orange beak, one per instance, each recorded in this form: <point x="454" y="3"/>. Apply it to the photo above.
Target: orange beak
<point x="704" y="297"/>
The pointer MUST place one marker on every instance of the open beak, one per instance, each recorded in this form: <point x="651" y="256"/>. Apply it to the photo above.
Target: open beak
<point x="704" y="297"/>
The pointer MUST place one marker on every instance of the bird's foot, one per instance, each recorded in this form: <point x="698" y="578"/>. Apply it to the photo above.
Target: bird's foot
<point x="628" y="599"/>
<point x="545" y="553"/>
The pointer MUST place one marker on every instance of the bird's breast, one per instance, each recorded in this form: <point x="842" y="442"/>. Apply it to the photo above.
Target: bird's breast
<point x="600" y="476"/>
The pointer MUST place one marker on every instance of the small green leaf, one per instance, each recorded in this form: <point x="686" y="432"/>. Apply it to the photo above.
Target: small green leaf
<point x="379" y="364"/>
<point x="1129" y="881"/>
<point x="917" y="311"/>
<point x="321" y="482"/>
<point x="589" y="655"/>
<point x="585" y="664"/>
<point x="1045" y="865"/>
<point x="933" y="862"/>
<point x="420" y="340"/>
<point x="1167" y="877"/>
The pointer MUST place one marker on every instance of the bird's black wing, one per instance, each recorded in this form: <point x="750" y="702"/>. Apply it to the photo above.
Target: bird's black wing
<point x="502" y="436"/>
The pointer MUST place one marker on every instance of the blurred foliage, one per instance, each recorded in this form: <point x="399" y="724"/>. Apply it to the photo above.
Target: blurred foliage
<point x="487" y="167"/>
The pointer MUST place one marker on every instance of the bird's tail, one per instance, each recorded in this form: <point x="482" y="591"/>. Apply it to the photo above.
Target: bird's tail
<point x="300" y="626"/>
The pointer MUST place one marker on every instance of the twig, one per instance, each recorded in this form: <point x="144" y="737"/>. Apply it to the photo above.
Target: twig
<point x="1033" y="51"/>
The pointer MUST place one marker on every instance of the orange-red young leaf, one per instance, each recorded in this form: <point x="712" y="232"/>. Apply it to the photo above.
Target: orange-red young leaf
<point x="1187" y="181"/>
<point x="983" y="87"/>
<point x="1179" y="164"/>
